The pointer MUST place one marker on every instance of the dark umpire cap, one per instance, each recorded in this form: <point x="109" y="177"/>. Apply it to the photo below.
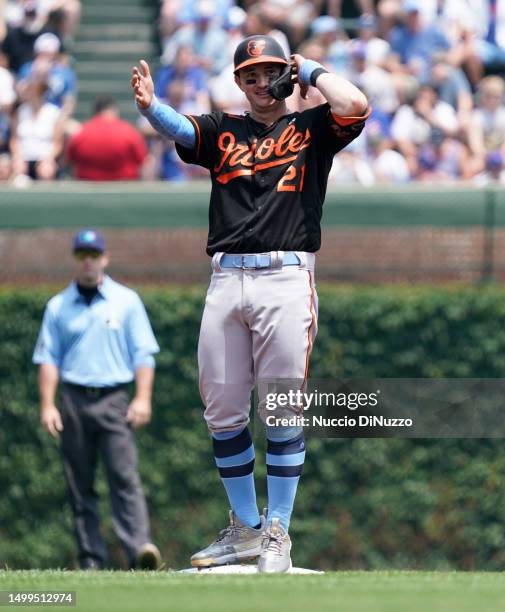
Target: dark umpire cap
<point x="89" y="239"/>
<point x="256" y="50"/>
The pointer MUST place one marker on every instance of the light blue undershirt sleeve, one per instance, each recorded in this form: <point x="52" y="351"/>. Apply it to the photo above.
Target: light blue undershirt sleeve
<point x="169" y="123"/>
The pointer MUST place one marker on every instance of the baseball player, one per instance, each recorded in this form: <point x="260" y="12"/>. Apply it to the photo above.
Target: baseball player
<point x="269" y="170"/>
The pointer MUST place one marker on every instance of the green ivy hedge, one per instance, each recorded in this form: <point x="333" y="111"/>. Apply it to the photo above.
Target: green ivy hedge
<point x="362" y="503"/>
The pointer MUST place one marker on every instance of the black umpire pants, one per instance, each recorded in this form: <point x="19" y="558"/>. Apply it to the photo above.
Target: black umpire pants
<point x="94" y="423"/>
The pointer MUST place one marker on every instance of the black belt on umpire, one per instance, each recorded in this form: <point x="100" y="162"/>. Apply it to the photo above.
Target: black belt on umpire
<point x="94" y="392"/>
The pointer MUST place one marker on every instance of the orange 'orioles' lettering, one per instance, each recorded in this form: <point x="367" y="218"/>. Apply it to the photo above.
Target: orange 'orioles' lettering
<point x="276" y="152"/>
<point x="265" y="149"/>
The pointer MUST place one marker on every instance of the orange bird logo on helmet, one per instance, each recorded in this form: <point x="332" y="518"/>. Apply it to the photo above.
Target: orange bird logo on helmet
<point x="255" y="47"/>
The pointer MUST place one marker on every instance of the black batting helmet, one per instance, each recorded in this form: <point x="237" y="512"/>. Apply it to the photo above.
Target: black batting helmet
<point x="256" y="50"/>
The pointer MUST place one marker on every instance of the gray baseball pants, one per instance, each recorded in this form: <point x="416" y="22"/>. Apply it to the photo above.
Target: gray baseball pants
<point x="258" y="324"/>
<point x="94" y="423"/>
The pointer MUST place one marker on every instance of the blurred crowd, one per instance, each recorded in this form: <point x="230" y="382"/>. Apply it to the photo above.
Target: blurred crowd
<point x="37" y="86"/>
<point x="432" y="70"/>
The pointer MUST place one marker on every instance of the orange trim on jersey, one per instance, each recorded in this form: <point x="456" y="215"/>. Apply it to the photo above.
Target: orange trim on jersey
<point x="198" y="135"/>
<point x="235" y="116"/>
<point x="228" y="176"/>
<point x="343" y="121"/>
<point x="309" y="331"/>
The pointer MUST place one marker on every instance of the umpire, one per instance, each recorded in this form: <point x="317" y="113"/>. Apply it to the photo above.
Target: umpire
<point x="96" y="338"/>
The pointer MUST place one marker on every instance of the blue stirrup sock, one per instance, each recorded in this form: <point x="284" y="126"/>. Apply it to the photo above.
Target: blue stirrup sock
<point x="284" y="460"/>
<point x="234" y="454"/>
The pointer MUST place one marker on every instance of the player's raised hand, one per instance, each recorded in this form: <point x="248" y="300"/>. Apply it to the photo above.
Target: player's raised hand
<point x="142" y="85"/>
<point x="296" y="62"/>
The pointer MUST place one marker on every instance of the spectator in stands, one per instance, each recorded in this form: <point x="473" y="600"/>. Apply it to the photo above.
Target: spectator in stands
<point x="310" y="49"/>
<point x="20" y="39"/>
<point x="327" y="32"/>
<point x="452" y="85"/>
<point x="397" y="83"/>
<point x="388" y="165"/>
<point x="362" y="6"/>
<point x="107" y="148"/>
<point x="388" y="16"/>
<point x="413" y="126"/>
<point x="5" y="167"/>
<point x="377" y="49"/>
<point x="467" y="24"/>
<point x="349" y="167"/>
<point x="494" y="170"/>
<point x="177" y="95"/>
<point x="5" y="156"/>
<point x="486" y="133"/>
<point x="7" y="100"/>
<point x="185" y="70"/>
<point x="189" y="9"/>
<point x="205" y="36"/>
<point x="448" y="15"/>
<point x="234" y="23"/>
<point x="63" y="17"/>
<point x="413" y="42"/>
<point x="168" y="18"/>
<point x="7" y="90"/>
<point x="174" y="13"/>
<point x="5" y="121"/>
<point x="487" y="45"/>
<point x="224" y="93"/>
<point x="37" y="134"/>
<point x="61" y="81"/>
<point x="314" y="50"/>
<point x="443" y="159"/>
<point x="371" y="158"/>
<point x="290" y="16"/>
<point x="377" y="82"/>
<point x="258" y="22"/>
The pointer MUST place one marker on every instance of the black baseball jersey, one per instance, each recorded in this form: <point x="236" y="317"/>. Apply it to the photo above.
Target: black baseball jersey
<point x="268" y="183"/>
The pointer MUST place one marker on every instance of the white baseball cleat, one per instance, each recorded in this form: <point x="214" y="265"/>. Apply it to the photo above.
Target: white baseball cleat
<point x="275" y="549"/>
<point x="234" y="544"/>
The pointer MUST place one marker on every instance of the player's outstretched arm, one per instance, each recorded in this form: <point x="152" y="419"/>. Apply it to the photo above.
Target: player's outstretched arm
<point x="164" y="119"/>
<point x="345" y="99"/>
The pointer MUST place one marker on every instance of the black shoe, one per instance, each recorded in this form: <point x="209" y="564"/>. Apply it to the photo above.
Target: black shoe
<point x="148" y="557"/>
<point x="90" y="564"/>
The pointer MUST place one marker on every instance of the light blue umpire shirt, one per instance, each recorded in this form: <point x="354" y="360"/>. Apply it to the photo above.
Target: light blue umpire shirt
<point x="100" y="345"/>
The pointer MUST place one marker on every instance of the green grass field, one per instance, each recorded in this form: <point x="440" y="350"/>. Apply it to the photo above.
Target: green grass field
<point x="342" y="591"/>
